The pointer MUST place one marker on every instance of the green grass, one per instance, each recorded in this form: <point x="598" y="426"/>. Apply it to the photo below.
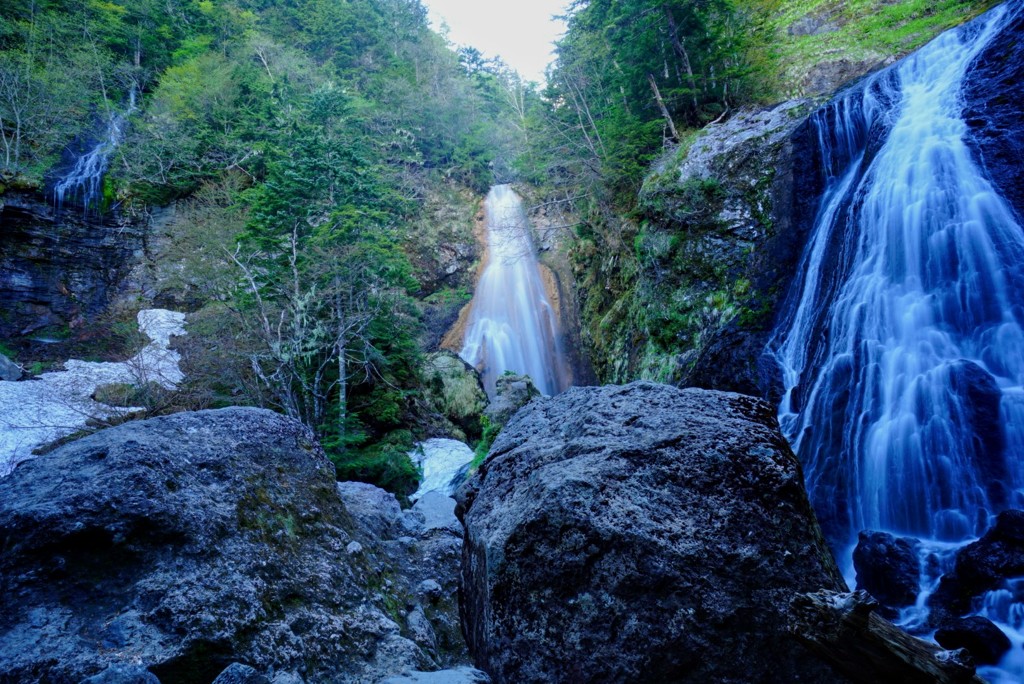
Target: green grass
<point x="866" y="30"/>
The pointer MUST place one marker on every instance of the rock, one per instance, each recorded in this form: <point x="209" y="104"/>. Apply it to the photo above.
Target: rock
<point x="981" y="400"/>
<point x="640" y="533"/>
<point x="124" y="674"/>
<point x="237" y="673"/>
<point x="461" y="675"/>
<point x="9" y="371"/>
<point x="511" y="393"/>
<point x="416" y="557"/>
<point x="980" y="566"/>
<point x="980" y="636"/>
<point x="845" y="629"/>
<point x="993" y="114"/>
<point x="438" y="512"/>
<point x="454" y="390"/>
<point x="888" y="567"/>
<point x="55" y="270"/>
<point x="186" y="543"/>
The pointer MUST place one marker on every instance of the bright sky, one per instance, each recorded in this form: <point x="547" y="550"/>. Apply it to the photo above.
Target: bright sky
<point x="521" y="32"/>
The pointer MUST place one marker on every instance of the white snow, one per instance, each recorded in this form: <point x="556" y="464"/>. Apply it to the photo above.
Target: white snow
<point x="440" y="460"/>
<point x="56" y="404"/>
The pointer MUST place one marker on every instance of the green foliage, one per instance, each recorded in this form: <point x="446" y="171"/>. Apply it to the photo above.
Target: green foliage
<point x="489" y="432"/>
<point x="385" y="463"/>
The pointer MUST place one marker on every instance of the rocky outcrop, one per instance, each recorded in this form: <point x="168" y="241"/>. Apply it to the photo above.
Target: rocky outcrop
<point x="992" y="97"/>
<point x="980" y="566"/>
<point x="454" y="390"/>
<point x="57" y="269"/>
<point x="888" y="567"/>
<point x="511" y="393"/>
<point x="190" y="542"/>
<point x="643" y="534"/>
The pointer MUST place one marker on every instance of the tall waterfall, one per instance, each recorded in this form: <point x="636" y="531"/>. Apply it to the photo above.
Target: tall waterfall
<point x="903" y="349"/>
<point x="512" y="325"/>
<point x="82" y="185"/>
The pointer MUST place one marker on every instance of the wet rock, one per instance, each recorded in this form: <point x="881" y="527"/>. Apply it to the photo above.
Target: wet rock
<point x="461" y="675"/>
<point x="9" y="371"/>
<point x="992" y="97"/>
<point x="238" y="673"/>
<point x="512" y="392"/>
<point x="980" y="636"/>
<point x="55" y="268"/>
<point x="186" y="543"/>
<point x="123" y="674"/>
<point x="438" y="513"/>
<point x="981" y="566"/>
<point x="888" y="567"/>
<point x="981" y="399"/>
<point x="640" y="533"/>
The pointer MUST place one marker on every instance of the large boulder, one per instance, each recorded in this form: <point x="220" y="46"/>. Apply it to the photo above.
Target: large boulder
<point x="189" y="542"/>
<point x="511" y="393"/>
<point x="888" y="567"/>
<point x="454" y="390"/>
<point x="985" y="642"/>
<point x="640" y="533"/>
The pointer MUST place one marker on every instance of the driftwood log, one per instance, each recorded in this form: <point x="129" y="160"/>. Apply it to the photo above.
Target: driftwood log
<point x="845" y="630"/>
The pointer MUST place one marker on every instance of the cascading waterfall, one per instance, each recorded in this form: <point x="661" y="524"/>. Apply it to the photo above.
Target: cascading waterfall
<point x="82" y="185"/>
<point x="902" y="351"/>
<point x="512" y="325"/>
<point x="903" y="358"/>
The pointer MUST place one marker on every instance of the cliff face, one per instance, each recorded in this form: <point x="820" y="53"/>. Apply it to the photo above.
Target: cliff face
<point x="58" y="269"/>
<point x="688" y="288"/>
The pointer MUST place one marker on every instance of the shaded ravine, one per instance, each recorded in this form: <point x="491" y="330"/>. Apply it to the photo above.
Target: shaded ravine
<point x="512" y="325"/>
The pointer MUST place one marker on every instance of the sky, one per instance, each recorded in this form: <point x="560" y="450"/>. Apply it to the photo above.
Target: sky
<point x="520" y="32"/>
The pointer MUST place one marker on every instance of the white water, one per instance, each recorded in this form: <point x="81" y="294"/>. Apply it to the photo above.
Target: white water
<point x="905" y="279"/>
<point x="512" y="325"/>
<point x="903" y="351"/>
<point x="56" y="404"/>
<point x="442" y="461"/>
<point x="82" y="185"/>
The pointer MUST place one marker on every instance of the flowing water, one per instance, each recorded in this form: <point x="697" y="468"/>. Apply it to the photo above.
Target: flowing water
<point x="444" y="463"/>
<point x="83" y="184"/>
<point x="512" y="325"/>
<point x="903" y="348"/>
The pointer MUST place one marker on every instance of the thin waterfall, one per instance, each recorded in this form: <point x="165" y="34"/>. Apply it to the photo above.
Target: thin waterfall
<point x="83" y="184"/>
<point x="512" y="325"/>
<point x="902" y="352"/>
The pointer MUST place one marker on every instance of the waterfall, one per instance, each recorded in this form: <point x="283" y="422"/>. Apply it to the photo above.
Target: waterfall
<point x="902" y="351"/>
<point x="512" y="325"/>
<point x="82" y="185"/>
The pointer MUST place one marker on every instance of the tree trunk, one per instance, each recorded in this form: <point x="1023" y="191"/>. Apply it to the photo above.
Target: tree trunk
<point x="663" y="108"/>
<point x="845" y="631"/>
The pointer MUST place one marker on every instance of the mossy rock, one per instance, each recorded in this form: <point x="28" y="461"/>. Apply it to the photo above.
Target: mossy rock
<point x="454" y="389"/>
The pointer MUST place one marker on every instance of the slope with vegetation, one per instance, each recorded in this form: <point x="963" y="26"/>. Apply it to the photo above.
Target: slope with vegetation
<point x="308" y="149"/>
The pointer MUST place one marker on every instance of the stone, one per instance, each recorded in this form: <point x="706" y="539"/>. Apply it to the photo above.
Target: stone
<point x="979" y="635"/>
<point x="454" y="390"/>
<point x="981" y="400"/>
<point x="438" y="513"/>
<point x="461" y="675"/>
<point x="238" y="673"/>
<point x="190" y="542"/>
<point x="980" y="566"/>
<point x="124" y="674"/>
<point x="640" y="533"/>
<point x="9" y="371"/>
<point x="888" y="567"/>
<point x="511" y="393"/>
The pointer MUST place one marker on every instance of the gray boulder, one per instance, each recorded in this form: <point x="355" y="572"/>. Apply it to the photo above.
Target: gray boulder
<point x="123" y="674"/>
<point x="9" y="370"/>
<point x="237" y="673"/>
<point x="511" y="393"/>
<point x="640" y="533"/>
<point x="186" y="543"/>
